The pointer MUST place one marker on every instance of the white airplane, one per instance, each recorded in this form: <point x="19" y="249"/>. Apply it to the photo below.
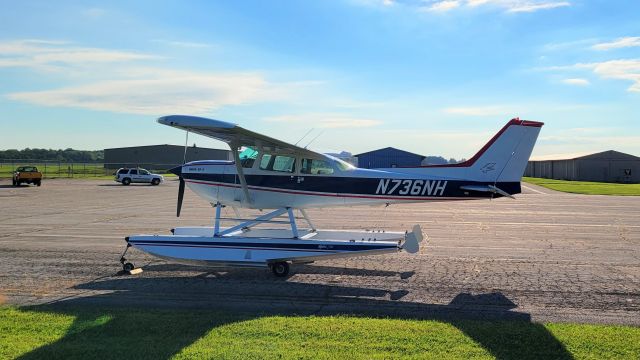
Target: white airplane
<point x="267" y="173"/>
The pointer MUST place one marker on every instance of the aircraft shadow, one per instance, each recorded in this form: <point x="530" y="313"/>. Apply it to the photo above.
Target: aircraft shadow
<point x="507" y="334"/>
<point x="299" y="269"/>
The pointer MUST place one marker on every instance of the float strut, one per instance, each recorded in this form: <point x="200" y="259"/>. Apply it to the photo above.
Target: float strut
<point x="292" y="220"/>
<point x="216" y="229"/>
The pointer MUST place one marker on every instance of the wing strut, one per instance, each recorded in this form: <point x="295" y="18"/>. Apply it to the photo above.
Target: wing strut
<point x="243" y="181"/>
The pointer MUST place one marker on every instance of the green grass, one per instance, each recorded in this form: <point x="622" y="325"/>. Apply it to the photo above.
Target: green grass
<point x="88" y="333"/>
<point x="586" y="187"/>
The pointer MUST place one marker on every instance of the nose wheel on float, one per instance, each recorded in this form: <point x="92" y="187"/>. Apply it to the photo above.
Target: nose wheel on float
<point x="126" y="266"/>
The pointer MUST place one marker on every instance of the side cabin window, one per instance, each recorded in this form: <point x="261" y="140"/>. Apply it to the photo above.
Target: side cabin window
<point x="133" y="172"/>
<point x="279" y="163"/>
<point x="247" y="157"/>
<point x="316" y="167"/>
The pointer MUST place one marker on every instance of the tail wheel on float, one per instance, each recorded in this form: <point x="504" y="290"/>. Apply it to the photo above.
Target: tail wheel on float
<point x="280" y="269"/>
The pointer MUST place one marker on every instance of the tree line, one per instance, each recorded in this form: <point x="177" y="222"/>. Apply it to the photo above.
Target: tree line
<point x="439" y="160"/>
<point x="66" y="155"/>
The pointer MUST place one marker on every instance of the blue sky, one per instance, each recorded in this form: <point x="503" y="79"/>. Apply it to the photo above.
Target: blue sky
<point x="432" y="77"/>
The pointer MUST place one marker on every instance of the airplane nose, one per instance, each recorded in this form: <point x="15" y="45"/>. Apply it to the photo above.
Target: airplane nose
<point x="176" y="170"/>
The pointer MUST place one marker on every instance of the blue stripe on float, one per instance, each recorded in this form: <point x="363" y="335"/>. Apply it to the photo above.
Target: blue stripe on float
<point x="260" y="246"/>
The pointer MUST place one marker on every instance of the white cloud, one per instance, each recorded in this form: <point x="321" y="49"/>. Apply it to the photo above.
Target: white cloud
<point x="114" y="80"/>
<point x="576" y="81"/>
<point x="442" y="6"/>
<point x="620" y="69"/>
<point x="526" y="6"/>
<point x="514" y="6"/>
<point x="326" y="120"/>
<point x="623" y="69"/>
<point x="47" y="54"/>
<point x="160" y="92"/>
<point x="492" y="110"/>
<point x="622" y="42"/>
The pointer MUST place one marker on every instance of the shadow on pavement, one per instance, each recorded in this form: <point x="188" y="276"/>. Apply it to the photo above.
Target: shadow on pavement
<point x="505" y="333"/>
<point x="299" y="269"/>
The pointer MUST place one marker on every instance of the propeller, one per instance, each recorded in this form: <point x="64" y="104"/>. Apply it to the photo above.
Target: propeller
<point x="178" y="171"/>
<point x="180" y="196"/>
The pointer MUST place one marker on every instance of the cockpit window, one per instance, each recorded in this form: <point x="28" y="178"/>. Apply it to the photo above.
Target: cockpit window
<point x="280" y="163"/>
<point x="316" y="167"/>
<point x="247" y="157"/>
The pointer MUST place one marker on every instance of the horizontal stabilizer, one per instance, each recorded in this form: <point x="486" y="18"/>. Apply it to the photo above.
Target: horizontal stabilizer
<point x="486" y="188"/>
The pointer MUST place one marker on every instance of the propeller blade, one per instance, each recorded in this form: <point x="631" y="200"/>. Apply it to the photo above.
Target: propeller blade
<point x="180" y="196"/>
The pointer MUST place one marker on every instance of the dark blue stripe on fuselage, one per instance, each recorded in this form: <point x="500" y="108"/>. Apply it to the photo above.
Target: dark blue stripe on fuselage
<point x="359" y="185"/>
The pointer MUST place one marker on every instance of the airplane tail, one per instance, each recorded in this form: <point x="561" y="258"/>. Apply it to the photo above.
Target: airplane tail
<point x="505" y="157"/>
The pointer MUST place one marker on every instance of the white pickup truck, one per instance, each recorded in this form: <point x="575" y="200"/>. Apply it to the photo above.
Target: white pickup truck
<point x="127" y="176"/>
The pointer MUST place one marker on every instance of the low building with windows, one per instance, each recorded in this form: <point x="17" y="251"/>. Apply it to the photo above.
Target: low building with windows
<point x="606" y="166"/>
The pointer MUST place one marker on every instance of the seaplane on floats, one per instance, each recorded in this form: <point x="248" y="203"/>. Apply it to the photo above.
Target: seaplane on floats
<point x="267" y="173"/>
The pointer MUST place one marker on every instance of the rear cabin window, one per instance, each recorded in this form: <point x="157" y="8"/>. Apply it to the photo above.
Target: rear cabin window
<point x="247" y="157"/>
<point x="279" y="163"/>
<point x="316" y="167"/>
<point x="123" y="171"/>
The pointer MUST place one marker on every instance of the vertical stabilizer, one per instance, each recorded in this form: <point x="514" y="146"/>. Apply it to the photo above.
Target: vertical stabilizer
<point x="504" y="158"/>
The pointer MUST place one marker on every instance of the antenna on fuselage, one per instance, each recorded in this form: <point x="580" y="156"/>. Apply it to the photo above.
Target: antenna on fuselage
<point x="305" y="135"/>
<point x="314" y="139"/>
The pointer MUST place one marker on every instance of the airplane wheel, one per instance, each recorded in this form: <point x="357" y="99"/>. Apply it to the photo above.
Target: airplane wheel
<point x="128" y="267"/>
<point x="280" y="269"/>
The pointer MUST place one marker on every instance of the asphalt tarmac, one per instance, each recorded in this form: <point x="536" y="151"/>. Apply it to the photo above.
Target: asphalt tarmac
<point x="546" y="256"/>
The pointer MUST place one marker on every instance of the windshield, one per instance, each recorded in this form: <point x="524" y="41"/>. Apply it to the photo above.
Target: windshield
<point x="342" y="165"/>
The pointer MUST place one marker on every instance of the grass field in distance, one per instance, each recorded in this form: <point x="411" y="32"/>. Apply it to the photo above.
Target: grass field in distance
<point x="586" y="187"/>
<point x="65" y="170"/>
<point x="89" y="333"/>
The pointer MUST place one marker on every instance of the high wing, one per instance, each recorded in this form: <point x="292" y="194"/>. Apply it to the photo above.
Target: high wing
<point x="232" y="134"/>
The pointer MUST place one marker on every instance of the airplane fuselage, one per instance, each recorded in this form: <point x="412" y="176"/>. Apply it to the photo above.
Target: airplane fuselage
<point x="218" y="181"/>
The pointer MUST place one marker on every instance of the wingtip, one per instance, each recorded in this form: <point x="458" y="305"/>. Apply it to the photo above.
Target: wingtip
<point x="194" y="121"/>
